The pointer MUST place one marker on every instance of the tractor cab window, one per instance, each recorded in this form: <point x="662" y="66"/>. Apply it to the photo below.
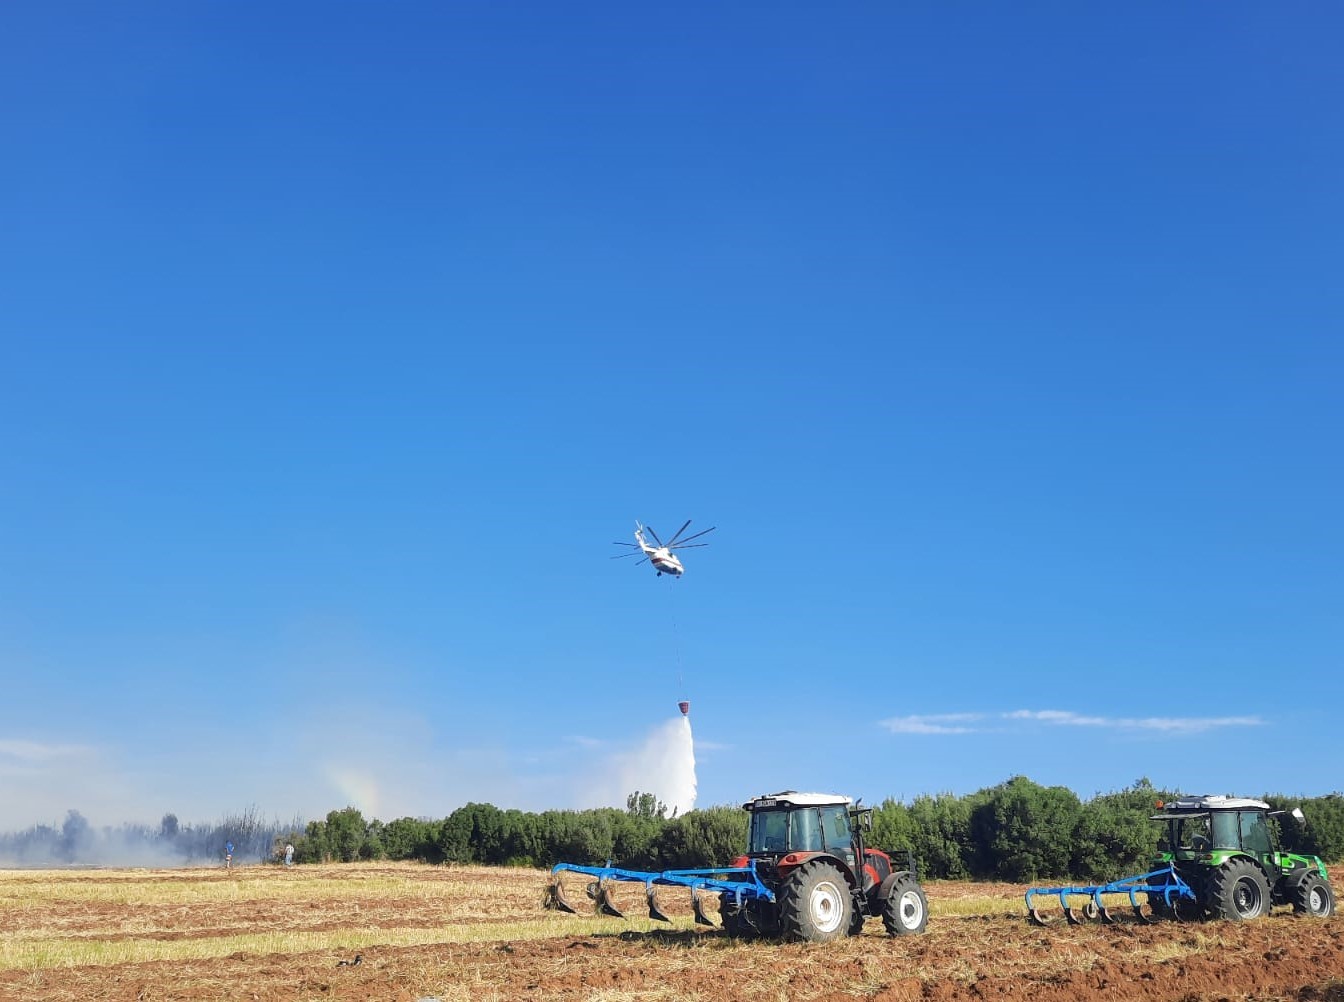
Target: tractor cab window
<point x="835" y="826"/>
<point x="769" y="831"/>
<point x="1192" y="834"/>
<point x="1255" y="833"/>
<point x="835" y="823"/>
<point x="1225" y="834"/>
<point x="806" y="831"/>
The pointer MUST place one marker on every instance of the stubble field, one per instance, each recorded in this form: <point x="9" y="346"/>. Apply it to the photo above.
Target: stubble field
<point x="459" y="933"/>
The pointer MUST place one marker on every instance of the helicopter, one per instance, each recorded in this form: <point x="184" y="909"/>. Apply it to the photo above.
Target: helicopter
<point x="662" y="558"/>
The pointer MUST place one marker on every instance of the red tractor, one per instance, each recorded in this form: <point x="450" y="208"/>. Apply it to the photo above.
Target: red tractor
<point x="808" y="849"/>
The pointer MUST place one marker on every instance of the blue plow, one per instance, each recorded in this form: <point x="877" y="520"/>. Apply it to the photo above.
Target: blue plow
<point x="743" y="883"/>
<point x="1166" y="883"/>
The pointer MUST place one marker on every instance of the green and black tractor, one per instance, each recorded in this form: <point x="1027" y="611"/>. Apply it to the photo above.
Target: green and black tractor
<point x="1218" y="857"/>
<point x="1227" y="850"/>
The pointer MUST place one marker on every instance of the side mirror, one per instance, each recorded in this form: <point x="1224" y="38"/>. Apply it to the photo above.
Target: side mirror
<point x="1298" y="816"/>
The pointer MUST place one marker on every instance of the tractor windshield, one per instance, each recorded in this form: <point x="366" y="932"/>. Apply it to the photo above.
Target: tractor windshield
<point x="769" y="831"/>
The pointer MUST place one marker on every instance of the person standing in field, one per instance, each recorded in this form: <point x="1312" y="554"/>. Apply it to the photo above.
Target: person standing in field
<point x="289" y="854"/>
<point x="228" y="855"/>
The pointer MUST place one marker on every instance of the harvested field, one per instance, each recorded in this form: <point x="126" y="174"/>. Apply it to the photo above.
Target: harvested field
<point x="459" y="933"/>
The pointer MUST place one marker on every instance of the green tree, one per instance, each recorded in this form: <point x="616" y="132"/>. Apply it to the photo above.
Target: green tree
<point x="347" y="835"/>
<point x="412" y="838"/>
<point x="1114" y="835"/>
<point x="1025" y="831"/>
<point x="940" y="832"/>
<point x="470" y="834"/>
<point x="711" y="837"/>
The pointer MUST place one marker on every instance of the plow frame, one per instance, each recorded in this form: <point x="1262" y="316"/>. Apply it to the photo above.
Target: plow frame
<point x="741" y="882"/>
<point x="1165" y="882"/>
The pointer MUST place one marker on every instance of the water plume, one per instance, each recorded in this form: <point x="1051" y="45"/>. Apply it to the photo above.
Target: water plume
<point x="663" y="764"/>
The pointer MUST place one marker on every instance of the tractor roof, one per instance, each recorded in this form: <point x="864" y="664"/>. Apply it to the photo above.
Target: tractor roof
<point x="1208" y="803"/>
<point x="792" y="798"/>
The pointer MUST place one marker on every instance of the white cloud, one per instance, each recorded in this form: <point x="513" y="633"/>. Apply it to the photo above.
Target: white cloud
<point x="971" y="723"/>
<point x="934" y="723"/>
<point x="1166" y="725"/>
<point x="35" y="752"/>
<point x="584" y="741"/>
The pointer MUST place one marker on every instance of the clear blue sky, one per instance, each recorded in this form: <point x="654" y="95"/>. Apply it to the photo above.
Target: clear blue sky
<point x="338" y="343"/>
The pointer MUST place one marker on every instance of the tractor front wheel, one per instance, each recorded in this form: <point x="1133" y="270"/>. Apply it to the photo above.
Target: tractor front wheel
<point x="1313" y="897"/>
<point x="1238" y="890"/>
<point x="906" y="909"/>
<point x="815" y="903"/>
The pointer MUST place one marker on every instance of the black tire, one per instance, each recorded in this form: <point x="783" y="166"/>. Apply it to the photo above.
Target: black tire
<point x="1313" y="897"/>
<point x="856" y="920"/>
<point x="1158" y="904"/>
<point x="905" y="910"/>
<point x="815" y="904"/>
<point x="1237" y="890"/>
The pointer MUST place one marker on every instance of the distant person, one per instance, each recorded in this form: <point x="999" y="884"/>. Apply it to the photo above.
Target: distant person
<point x="289" y="854"/>
<point x="228" y="855"/>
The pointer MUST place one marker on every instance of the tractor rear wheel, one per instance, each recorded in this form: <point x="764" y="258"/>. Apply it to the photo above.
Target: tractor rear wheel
<point x="1313" y="897"/>
<point x="815" y="903"/>
<point x="906" y="909"/>
<point x="1238" y="890"/>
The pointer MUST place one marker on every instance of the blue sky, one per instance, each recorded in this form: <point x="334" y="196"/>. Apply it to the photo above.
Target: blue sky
<point x="338" y="343"/>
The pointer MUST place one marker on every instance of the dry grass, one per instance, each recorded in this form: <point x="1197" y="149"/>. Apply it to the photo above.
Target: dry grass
<point x="459" y="933"/>
<point x="95" y="917"/>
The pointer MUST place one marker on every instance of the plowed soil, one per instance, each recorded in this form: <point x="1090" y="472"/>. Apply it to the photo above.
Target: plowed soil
<point x="472" y="933"/>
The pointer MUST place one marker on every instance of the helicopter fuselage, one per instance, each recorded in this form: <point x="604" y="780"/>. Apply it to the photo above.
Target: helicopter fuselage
<point x="662" y="559"/>
<point x="667" y="564"/>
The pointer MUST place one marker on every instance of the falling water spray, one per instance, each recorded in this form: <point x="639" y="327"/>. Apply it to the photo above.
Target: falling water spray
<point x="681" y="773"/>
<point x="664" y="765"/>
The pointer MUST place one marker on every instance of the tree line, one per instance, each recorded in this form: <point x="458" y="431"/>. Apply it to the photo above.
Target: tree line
<point x="1016" y="831"/>
<point x="77" y="842"/>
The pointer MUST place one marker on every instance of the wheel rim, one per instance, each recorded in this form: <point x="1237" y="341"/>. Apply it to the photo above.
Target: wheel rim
<point x="826" y="906"/>
<point x="910" y="909"/>
<point x="1246" y="898"/>
<point x="1316" y="901"/>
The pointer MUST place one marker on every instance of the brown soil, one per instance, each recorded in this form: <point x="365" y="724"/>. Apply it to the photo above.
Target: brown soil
<point x="977" y="958"/>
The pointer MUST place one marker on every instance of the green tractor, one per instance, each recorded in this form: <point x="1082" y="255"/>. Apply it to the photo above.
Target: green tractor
<point x="1217" y="858"/>
<point x="1226" y="850"/>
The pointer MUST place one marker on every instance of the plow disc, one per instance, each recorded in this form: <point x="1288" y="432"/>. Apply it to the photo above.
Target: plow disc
<point x="1084" y="904"/>
<point x="741" y="883"/>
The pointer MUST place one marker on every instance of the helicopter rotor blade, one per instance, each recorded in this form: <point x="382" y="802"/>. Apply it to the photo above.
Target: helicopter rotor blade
<point x="697" y="536"/>
<point x="673" y="540"/>
<point x="687" y="546"/>
<point x="619" y="556"/>
<point x="649" y="530"/>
